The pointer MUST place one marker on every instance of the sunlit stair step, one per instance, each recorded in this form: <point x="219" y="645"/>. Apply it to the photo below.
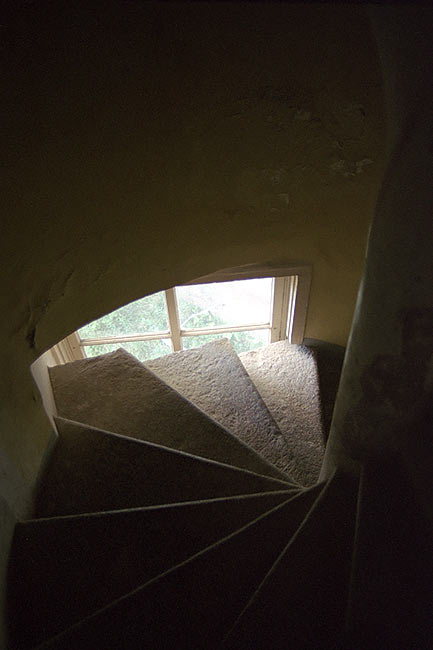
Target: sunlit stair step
<point x="91" y="470"/>
<point x="194" y="604"/>
<point x="87" y="561"/>
<point x="287" y="378"/>
<point x="213" y="378"/>
<point x="115" y="392"/>
<point x="302" y="601"/>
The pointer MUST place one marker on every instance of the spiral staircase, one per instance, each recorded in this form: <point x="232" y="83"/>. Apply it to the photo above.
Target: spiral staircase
<point x="157" y="527"/>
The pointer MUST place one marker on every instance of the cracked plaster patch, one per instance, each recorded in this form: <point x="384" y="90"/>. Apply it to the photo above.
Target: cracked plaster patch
<point x="274" y="176"/>
<point x="348" y="168"/>
<point x="302" y="115"/>
<point x="284" y="198"/>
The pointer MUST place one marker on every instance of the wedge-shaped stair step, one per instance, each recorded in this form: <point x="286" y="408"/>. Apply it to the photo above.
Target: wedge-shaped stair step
<point x="92" y="470"/>
<point x="391" y="595"/>
<point x="64" y="568"/>
<point x="302" y="601"/>
<point x="115" y="392"/>
<point x="287" y="378"/>
<point x="213" y="378"/>
<point x="193" y="604"/>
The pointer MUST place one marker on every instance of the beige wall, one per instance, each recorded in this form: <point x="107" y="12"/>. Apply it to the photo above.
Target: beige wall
<point x="154" y="146"/>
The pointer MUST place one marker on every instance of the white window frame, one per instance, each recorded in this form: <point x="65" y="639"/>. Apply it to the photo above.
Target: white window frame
<point x="291" y="289"/>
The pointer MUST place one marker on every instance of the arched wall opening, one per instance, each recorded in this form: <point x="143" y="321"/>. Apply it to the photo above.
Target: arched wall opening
<point x="217" y="305"/>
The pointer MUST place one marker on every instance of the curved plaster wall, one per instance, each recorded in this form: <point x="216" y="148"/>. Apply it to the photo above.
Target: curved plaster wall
<point x="154" y="143"/>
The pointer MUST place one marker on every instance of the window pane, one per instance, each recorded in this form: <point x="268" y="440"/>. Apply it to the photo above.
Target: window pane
<point x="241" y="341"/>
<point x="141" y="349"/>
<point x="241" y="302"/>
<point x="149" y="314"/>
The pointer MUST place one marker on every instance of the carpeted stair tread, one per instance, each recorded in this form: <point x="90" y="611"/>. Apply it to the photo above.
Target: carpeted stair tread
<point x="393" y="560"/>
<point x="213" y="378"/>
<point x="192" y="605"/>
<point x="102" y="556"/>
<point x="92" y="470"/>
<point x="116" y="392"/>
<point x="287" y="379"/>
<point x="301" y="603"/>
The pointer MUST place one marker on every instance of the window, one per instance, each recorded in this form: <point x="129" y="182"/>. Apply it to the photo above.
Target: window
<point x="250" y="311"/>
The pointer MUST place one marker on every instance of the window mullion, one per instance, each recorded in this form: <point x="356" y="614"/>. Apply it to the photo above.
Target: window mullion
<point x="277" y="303"/>
<point x="293" y="285"/>
<point x="285" y="307"/>
<point x="283" y="304"/>
<point x="173" y="319"/>
<point x="132" y="338"/>
<point x="301" y="305"/>
<point x="204" y="331"/>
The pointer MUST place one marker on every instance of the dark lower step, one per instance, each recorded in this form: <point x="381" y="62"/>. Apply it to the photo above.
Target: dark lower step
<point x="64" y="568"/>
<point x="301" y="604"/>
<point x="194" y="604"/>
<point x="92" y="470"/>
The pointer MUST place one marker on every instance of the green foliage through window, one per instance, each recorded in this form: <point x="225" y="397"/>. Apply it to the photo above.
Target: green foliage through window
<point x="149" y="314"/>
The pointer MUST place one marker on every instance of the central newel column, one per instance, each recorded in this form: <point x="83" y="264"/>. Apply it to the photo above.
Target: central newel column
<point x="384" y="403"/>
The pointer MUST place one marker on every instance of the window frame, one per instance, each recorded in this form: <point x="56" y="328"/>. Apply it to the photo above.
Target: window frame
<point x="291" y="289"/>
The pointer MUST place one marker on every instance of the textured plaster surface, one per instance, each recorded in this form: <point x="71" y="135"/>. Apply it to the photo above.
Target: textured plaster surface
<point x="384" y="404"/>
<point x="153" y="143"/>
<point x="286" y="377"/>
<point x="116" y="392"/>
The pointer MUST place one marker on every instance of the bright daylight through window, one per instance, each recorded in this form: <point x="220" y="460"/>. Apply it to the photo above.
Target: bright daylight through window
<point x="250" y="313"/>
